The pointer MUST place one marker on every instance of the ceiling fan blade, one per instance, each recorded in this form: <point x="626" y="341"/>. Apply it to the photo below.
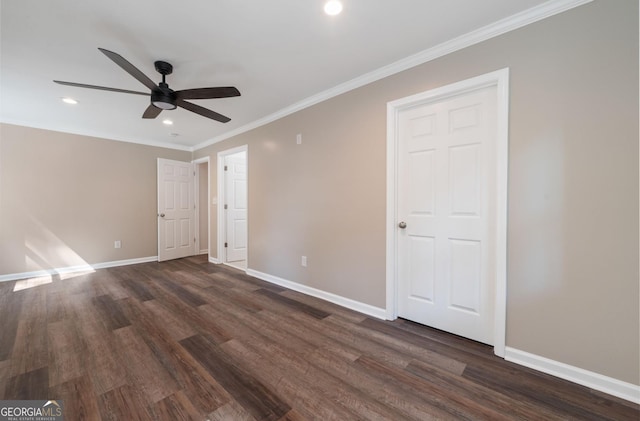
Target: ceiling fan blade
<point x="208" y="93"/>
<point x="102" y="88"/>
<point x="202" y="111"/>
<point x="151" y="112"/>
<point x="129" y="68"/>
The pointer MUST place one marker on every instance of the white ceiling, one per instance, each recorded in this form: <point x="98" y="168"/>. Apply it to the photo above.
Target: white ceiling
<point x="277" y="53"/>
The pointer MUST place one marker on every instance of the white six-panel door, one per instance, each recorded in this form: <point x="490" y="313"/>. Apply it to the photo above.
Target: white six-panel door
<point x="446" y="196"/>
<point x="176" y="209"/>
<point x="236" y="206"/>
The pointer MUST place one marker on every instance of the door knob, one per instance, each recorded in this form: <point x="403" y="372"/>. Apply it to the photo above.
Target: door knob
<point x="161" y="215"/>
<point x="402" y="225"/>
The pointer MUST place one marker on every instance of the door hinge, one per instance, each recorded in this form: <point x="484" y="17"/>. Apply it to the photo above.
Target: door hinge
<point x="225" y="168"/>
<point x="225" y="244"/>
<point x="226" y="206"/>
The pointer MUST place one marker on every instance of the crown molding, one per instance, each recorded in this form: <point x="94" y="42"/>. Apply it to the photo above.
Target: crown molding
<point x="519" y="20"/>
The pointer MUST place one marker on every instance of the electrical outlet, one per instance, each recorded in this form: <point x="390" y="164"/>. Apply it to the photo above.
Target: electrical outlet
<point x="299" y="139"/>
<point x="117" y="244"/>
<point x="303" y="261"/>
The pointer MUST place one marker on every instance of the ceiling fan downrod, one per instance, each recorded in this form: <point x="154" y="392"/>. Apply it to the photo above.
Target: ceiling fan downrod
<point x="163" y="97"/>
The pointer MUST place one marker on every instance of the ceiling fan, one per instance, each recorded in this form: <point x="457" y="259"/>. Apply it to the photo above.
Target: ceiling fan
<point x="163" y="97"/>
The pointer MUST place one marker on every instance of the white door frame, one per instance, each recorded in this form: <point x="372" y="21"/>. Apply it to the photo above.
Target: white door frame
<point x="197" y="162"/>
<point x="222" y="225"/>
<point x="499" y="79"/>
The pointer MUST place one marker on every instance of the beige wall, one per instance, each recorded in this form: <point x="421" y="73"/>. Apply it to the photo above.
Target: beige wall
<point x="573" y="185"/>
<point x="65" y="199"/>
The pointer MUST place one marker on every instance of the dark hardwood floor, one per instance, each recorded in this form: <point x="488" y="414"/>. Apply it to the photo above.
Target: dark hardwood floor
<point x="188" y="339"/>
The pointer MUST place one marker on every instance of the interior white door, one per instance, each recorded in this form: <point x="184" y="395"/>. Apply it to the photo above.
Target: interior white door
<point x="446" y="198"/>
<point x="236" y="206"/>
<point x="176" y="209"/>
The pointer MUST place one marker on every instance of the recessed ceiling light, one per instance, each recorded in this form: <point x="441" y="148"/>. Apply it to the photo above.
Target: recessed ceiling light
<point x="69" y="101"/>
<point x="332" y="7"/>
<point x="167" y="122"/>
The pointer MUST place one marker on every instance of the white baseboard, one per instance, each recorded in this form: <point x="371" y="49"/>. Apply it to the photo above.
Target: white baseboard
<point x="74" y="269"/>
<point x="125" y="262"/>
<point x="609" y="385"/>
<point x="205" y="251"/>
<point x="214" y="260"/>
<point x="379" y="313"/>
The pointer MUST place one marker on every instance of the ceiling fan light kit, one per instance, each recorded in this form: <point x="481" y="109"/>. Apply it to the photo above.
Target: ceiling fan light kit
<point x="163" y="97"/>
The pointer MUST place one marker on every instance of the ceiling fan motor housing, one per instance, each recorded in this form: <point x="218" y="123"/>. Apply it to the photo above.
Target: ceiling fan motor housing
<point x="163" y="97"/>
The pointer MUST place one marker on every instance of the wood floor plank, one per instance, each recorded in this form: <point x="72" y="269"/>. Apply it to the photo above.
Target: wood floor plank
<point x="30" y="385"/>
<point x="79" y="397"/>
<point x="10" y="310"/>
<point x="386" y="332"/>
<point x="188" y="339"/>
<point x="311" y="401"/>
<point x="101" y="360"/>
<point x="227" y="280"/>
<point x="556" y="394"/>
<point x="180" y="292"/>
<point x="144" y="371"/>
<point x="175" y="407"/>
<point x="133" y="282"/>
<point x="110" y="313"/>
<point x="357" y="340"/>
<point x="158" y="276"/>
<point x="106" y="283"/>
<point x="31" y="347"/>
<point x="197" y="384"/>
<point x="231" y="411"/>
<point x="255" y="326"/>
<point x="123" y="403"/>
<point x="502" y="403"/>
<point x="298" y="386"/>
<point x="331" y="308"/>
<point x="216" y="291"/>
<point x="314" y="334"/>
<point x="173" y="324"/>
<point x="240" y="276"/>
<point x="4" y="375"/>
<point x="238" y="297"/>
<point x="407" y="346"/>
<point x="296" y="305"/>
<point x="251" y="394"/>
<point x="436" y="336"/>
<point x="58" y="306"/>
<point x="460" y="407"/>
<point x="83" y="284"/>
<point x="454" y="367"/>
<point x="197" y="279"/>
<point x="65" y="350"/>
<point x="293" y="415"/>
<point x="187" y="312"/>
<point x="289" y="354"/>
<point x="406" y="407"/>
